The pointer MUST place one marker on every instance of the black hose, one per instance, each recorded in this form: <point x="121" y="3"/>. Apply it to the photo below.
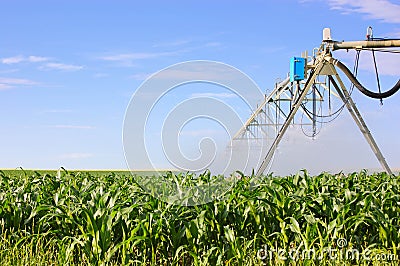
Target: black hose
<point x="361" y="88"/>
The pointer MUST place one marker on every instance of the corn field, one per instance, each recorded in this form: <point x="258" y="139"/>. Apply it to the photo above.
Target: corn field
<point x="93" y="218"/>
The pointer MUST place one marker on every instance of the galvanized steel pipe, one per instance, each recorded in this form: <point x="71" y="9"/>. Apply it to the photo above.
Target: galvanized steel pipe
<point x="366" y="44"/>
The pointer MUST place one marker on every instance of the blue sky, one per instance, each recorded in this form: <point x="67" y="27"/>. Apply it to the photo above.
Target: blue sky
<point x="69" y="68"/>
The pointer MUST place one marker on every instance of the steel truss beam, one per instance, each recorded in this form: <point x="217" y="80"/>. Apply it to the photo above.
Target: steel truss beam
<point x="326" y="68"/>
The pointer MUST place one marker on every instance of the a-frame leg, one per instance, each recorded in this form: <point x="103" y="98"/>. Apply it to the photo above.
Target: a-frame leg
<point x="348" y="101"/>
<point x="289" y="119"/>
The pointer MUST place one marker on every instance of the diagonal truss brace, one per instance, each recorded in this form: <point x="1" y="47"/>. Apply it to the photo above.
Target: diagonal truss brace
<point x="289" y="119"/>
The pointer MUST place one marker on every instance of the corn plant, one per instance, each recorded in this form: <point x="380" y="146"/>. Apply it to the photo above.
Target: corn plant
<point x="101" y="218"/>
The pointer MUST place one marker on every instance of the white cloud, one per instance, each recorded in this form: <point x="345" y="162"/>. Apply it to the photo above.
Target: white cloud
<point x="20" y="58"/>
<point x="58" y="111"/>
<point x="222" y="95"/>
<point x="16" y="81"/>
<point x="76" y="155"/>
<point x="8" y="83"/>
<point x="133" y="56"/>
<point x="201" y="71"/>
<point x="12" y="60"/>
<point x="128" y="58"/>
<point x="8" y="71"/>
<point x="213" y="44"/>
<point x="387" y="63"/>
<point x="4" y="86"/>
<point x="373" y="9"/>
<point x="172" y="43"/>
<point x="60" y="66"/>
<point x="40" y="59"/>
<point x="35" y="59"/>
<point x="201" y="133"/>
<point x="141" y="76"/>
<point x="72" y="127"/>
<point x="100" y="75"/>
<point x="205" y="71"/>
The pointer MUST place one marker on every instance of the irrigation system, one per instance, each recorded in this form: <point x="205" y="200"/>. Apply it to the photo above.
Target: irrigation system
<point x="314" y="80"/>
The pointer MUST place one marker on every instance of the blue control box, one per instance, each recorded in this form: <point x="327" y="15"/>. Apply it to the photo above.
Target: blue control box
<point x="297" y="68"/>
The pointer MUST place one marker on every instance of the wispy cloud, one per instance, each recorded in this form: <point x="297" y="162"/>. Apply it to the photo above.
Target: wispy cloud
<point x="100" y="75"/>
<point x="8" y="83"/>
<point x="189" y="45"/>
<point x="8" y="71"/>
<point x="60" y="66"/>
<point x="135" y="56"/>
<point x="383" y="10"/>
<point x="76" y="155"/>
<point x="222" y="95"/>
<point x="20" y="58"/>
<point x="72" y="127"/>
<point x="201" y="132"/>
<point x="213" y="44"/>
<point x="130" y="58"/>
<point x="273" y="49"/>
<point x="35" y="59"/>
<point x="46" y="62"/>
<point x="57" y="111"/>
<point x="202" y="71"/>
<point x="12" y="60"/>
<point x="387" y="63"/>
<point x="5" y="86"/>
<point x="17" y="81"/>
<point x="172" y="43"/>
<point x="141" y="76"/>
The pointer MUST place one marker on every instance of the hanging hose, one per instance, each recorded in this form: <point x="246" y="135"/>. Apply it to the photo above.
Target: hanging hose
<point x="360" y="87"/>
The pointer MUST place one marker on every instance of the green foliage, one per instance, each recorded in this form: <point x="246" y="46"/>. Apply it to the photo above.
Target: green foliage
<point x="84" y="218"/>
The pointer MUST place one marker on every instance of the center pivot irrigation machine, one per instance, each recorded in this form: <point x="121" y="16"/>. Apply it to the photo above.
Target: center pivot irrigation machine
<point x="314" y="79"/>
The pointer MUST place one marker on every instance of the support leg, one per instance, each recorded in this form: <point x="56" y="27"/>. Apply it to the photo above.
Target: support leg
<point x="288" y="120"/>
<point x="346" y="98"/>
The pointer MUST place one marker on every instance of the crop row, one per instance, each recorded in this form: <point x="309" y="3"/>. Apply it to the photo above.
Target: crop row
<point x="80" y="218"/>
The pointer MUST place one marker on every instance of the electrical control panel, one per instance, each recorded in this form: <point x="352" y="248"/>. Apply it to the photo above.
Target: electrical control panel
<point x="297" y="68"/>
